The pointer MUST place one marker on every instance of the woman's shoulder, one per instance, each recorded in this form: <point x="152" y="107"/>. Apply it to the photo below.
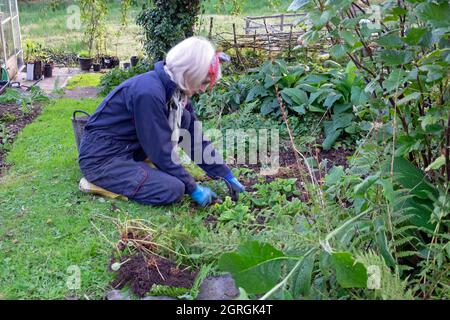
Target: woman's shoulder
<point x="146" y="85"/>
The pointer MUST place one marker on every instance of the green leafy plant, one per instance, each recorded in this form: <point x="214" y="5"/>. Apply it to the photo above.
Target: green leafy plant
<point x="116" y="76"/>
<point x="84" y="54"/>
<point x="165" y="23"/>
<point x="24" y="99"/>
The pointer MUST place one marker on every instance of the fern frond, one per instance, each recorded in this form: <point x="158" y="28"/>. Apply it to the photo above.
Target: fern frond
<point x="390" y="286"/>
<point x="407" y="253"/>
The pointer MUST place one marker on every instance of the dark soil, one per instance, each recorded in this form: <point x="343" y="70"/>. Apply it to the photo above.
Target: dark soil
<point x="289" y="168"/>
<point x="210" y="221"/>
<point x="142" y="272"/>
<point x="12" y="120"/>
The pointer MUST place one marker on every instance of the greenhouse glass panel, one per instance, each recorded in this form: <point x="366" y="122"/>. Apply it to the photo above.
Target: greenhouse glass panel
<point x="9" y="39"/>
<point x="5" y="9"/>
<point x="11" y="54"/>
<point x="16" y="28"/>
<point x="14" y="9"/>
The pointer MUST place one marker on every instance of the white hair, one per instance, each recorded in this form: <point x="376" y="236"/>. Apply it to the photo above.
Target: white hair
<point x="189" y="61"/>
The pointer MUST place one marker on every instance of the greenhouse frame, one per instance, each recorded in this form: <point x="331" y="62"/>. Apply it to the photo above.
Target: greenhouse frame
<point x="11" y="53"/>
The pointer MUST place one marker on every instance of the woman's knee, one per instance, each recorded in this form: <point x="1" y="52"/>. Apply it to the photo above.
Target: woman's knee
<point x="160" y="189"/>
<point x="175" y="191"/>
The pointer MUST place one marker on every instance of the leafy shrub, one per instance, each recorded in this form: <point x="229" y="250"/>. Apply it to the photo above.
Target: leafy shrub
<point x="116" y="76"/>
<point x="22" y="98"/>
<point x="325" y="97"/>
<point x="165" y="23"/>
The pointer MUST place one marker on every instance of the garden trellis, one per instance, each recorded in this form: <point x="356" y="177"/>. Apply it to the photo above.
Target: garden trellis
<point x="272" y="33"/>
<point x="11" y="54"/>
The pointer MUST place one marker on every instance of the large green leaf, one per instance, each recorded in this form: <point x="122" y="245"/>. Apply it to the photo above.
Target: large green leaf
<point x="437" y="15"/>
<point x="390" y="41"/>
<point x="410" y="177"/>
<point x="359" y="96"/>
<point x="349" y="37"/>
<point x="334" y="175"/>
<point x="338" y="51"/>
<point x="331" y="99"/>
<point x="395" y="57"/>
<point x="420" y="211"/>
<point x="298" y="4"/>
<point x="302" y="279"/>
<point x="414" y="36"/>
<point x="396" y="78"/>
<point x="256" y="91"/>
<point x="349" y="273"/>
<point x="254" y="266"/>
<point x="295" y="96"/>
<point x="331" y="139"/>
<point x="269" y="104"/>
<point x="381" y="240"/>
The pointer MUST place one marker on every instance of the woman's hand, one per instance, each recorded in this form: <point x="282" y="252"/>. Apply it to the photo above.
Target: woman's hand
<point x="203" y="195"/>
<point x="235" y="184"/>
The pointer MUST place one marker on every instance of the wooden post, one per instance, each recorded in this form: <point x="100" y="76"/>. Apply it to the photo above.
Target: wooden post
<point x="268" y="39"/>
<point x="247" y="25"/>
<point x="211" y="23"/>
<point x="254" y="42"/>
<point x="290" y="46"/>
<point x="235" y="44"/>
<point x="282" y="22"/>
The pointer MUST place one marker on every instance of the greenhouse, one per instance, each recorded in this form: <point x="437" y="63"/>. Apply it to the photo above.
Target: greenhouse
<point x="11" y="54"/>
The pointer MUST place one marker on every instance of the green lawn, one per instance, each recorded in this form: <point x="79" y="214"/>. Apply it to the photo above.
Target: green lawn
<point x="47" y="225"/>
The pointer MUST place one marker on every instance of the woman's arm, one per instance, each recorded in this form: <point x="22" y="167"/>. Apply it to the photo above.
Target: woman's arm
<point x="154" y="135"/>
<point x="196" y="152"/>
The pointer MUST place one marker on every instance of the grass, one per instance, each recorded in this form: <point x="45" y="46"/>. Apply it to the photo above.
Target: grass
<point x="47" y="225"/>
<point x="84" y="80"/>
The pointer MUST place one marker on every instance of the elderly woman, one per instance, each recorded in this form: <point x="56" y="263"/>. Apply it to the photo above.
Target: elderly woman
<point x="137" y="121"/>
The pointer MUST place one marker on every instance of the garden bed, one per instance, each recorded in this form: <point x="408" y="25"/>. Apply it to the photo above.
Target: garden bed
<point x="12" y="120"/>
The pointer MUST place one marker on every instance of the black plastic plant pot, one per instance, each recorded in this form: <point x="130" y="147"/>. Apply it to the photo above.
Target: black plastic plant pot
<point x="48" y="71"/>
<point x="126" y="65"/>
<point x="134" y="61"/>
<point x="85" y="63"/>
<point x="115" y="62"/>
<point x="97" y="67"/>
<point x="37" y="70"/>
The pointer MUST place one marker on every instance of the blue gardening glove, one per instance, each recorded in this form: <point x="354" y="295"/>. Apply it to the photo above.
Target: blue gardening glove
<point x="235" y="184"/>
<point x="203" y="195"/>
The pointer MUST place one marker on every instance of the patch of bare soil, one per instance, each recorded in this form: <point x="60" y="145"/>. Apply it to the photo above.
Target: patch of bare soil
<point x="289" y="168"/>
<point x="12" y="120"/>
<point x="141" y="272"/>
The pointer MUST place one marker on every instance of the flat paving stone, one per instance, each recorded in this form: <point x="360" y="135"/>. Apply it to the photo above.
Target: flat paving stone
<point x="218" y="288"/>
<point x="58" y="80"/>
<point x="116" y="295"/>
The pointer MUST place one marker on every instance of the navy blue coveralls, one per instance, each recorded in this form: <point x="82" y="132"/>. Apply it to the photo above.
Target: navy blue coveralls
<point x="130" y="125"/>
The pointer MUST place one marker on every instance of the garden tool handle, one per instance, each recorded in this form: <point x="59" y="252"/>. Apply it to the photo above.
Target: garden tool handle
<point x="79" y="111"/>
<point x="234" y="194"/>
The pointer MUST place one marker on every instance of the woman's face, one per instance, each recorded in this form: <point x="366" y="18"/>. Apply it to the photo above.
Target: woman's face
<point x="201" y="89"/>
